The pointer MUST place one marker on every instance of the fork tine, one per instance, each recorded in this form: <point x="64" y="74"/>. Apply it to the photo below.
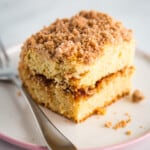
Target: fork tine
<point x="3" y="51"/>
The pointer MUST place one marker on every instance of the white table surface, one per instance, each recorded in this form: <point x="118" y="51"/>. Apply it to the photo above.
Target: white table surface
<point x="21" y="18"/>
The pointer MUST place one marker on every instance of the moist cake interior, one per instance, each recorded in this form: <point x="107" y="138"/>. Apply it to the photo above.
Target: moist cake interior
<point x="81" y="104"/>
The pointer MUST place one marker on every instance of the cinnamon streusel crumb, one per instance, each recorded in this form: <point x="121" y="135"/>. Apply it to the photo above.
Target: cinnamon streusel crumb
<point x="137" y="96"/>
<point x="80" y="38"/>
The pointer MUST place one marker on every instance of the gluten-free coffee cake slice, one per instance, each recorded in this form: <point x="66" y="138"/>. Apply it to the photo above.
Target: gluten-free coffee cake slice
<point x="77" y="65"/>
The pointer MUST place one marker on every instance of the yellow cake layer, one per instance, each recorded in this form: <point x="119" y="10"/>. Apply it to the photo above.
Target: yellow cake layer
<point x="79" y="107"/>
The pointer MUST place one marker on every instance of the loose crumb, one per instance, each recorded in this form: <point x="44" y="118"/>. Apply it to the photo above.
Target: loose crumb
<point x="108" y="124"/>
<point x="122" y="123"/>
<point x="81" y="38"/>
<point x="19" y="93"/>
<point x="137" y="96"/>
<point x="101" y="111"/>
<point x="128" y="132"/>
<point x="140" y="126"/>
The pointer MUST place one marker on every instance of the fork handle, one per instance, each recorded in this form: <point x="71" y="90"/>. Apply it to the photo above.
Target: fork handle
<point x="7" y="72"/>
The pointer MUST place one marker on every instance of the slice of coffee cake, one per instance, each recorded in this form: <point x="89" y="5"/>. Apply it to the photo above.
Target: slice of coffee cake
<point x="78" y="65"/>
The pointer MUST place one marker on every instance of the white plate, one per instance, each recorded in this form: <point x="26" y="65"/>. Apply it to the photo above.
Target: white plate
<point x="17" y="124"/>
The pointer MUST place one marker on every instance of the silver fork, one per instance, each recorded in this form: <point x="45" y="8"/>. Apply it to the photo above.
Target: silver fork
<point x="53" y="138"/>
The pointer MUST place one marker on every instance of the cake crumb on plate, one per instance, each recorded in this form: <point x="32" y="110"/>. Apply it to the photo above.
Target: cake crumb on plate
<point x="137" y="96"/>
<point x="108" y="124"/>
<point x="128" y="132"/>
<point x="122" y="123"/>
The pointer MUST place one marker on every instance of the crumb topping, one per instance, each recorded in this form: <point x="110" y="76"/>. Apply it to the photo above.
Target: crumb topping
<point x="80" y="38"/>
<point x="137" y="96"/>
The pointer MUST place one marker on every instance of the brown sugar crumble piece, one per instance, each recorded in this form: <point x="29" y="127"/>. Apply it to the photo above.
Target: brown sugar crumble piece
<point x="108" y="124"/>
<point x="128" y="132"/>
<point x="137" y="96"/>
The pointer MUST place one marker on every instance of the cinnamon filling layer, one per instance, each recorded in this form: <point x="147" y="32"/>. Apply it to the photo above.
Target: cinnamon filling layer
<point x="82" y="92"/>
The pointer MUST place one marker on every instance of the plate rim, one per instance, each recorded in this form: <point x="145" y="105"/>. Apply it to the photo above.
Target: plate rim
<point x="31" y="146"/>
<point x="21" y="143"/>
